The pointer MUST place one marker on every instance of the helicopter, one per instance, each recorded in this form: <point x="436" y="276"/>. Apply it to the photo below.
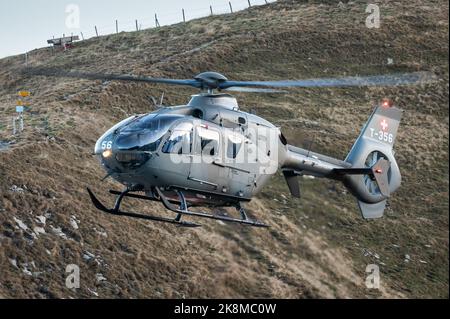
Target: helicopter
<point x="210" y="153"/>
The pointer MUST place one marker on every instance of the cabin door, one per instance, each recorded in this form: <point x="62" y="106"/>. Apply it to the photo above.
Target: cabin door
<point x="206" y="151"/>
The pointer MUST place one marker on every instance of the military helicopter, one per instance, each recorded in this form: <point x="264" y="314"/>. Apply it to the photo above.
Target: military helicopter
<point x="209" y="153"/>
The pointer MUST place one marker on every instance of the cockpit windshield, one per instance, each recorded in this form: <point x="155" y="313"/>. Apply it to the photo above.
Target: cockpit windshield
<point x="145" y="132"/>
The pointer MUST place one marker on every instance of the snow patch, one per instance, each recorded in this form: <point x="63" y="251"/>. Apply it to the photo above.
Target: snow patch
<point x="13" y="262"/>
<point x="101" y="233"/>
<point x="38" y="230"/>
<point x="74" y="222"/>
<point x="93" y="292"/>
<point x="21" y="224"/>
<point x="41" y="219"/>
<point x="100" y="277"/>
<point x="16" y="189"/>
<point x="58" y="231"/>
<point x="88" y="256"/>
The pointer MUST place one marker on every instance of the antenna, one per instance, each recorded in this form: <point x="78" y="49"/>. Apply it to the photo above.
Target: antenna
<point x="310" y="144"/>
<point x="161" y="101"/>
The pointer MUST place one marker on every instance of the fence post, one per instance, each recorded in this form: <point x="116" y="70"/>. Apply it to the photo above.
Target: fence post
<point x="82" y="36"/>
<point x="137" y="28"/>
<point x="231" y="7"/>
<point x="249" y="4"/>
<point x="117" y="26"/>
<point x="184" y="17"/>
<point x="96" y="32"/>
<point x="210" y="9"/>
<point x="156" y="21"/>
<point x="266" y="1"/>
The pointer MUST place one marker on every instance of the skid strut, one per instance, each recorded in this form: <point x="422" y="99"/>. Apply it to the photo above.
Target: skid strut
<point x="116" y="211"/>
<point x="244" y="220"/>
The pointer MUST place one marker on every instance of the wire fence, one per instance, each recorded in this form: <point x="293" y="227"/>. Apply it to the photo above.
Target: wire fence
<point x="169" y="18"/>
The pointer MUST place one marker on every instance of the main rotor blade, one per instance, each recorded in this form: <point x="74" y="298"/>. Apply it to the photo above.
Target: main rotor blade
<point x="253" y="90"/>
<point x="358" y="81"/>
<point x="109" y="77"/>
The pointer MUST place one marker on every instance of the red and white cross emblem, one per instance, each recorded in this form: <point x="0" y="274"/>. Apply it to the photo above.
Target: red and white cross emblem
<point x="384" y="125"/>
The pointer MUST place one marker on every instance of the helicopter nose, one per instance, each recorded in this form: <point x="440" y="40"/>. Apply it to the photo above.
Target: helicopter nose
<point x="120" y="153"/>
<point x="104" y="144"/>
<point x="105" y="151"/>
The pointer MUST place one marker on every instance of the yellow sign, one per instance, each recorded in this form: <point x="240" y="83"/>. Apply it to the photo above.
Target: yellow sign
<point x="24" y="93"/>
<point x="22" y="103"/>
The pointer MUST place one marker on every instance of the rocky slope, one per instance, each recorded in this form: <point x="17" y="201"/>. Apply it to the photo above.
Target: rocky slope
<point x="317" y="246"/>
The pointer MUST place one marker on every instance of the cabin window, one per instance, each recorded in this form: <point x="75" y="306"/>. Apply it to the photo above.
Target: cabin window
<point x="234" y="144"/>
<point x="180" y="141"/>
<point x="198" y="113"/>
<point x="209" y="141"/>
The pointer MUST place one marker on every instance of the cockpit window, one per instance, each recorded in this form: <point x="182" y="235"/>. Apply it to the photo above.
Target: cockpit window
<point x="145" y="122"/>
<point x="145" y="133"/>
<point x="112" y="130"/>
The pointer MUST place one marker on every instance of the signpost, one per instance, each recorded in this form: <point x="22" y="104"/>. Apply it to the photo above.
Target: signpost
<point x="19" y="111"/>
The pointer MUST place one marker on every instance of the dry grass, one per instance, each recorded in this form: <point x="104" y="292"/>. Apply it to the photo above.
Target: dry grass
<point x="316" y="247"/>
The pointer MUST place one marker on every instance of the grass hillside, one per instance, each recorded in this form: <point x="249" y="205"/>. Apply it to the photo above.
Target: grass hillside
<point x="317" y="246"/>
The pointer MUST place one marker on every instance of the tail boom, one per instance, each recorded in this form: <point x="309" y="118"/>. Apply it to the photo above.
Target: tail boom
<point x="369" y="171"/>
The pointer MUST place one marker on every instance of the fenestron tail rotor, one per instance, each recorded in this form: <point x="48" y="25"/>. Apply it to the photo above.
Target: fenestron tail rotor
<point x="369" y="181"/>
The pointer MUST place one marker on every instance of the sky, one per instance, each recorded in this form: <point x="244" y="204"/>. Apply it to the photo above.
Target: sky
<point x="28" y="24"/>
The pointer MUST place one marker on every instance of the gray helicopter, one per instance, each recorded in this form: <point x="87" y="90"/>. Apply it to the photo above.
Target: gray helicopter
<point x="209" y="153"/>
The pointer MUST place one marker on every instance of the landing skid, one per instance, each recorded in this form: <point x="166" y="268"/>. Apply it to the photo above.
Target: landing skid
<point x="116" y="211"/>
<point x="181" y="210"/>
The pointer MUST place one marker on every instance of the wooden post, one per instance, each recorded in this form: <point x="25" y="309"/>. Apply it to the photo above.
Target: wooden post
<point x="117" y="26"/>
<point x="184" y="17"/>
<point x="156" y="21"/>
<point x="266" y="1"/>
<point x="210" y="9"/>
<point x="231" y="7"/>
<point x="82" y="36"/>
<point x="96" y="31"/>
<point x="249" y="4"/>
<point x="137" y="28"/>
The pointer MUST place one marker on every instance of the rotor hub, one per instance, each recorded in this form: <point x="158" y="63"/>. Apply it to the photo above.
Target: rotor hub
<point x="210" y="80"/>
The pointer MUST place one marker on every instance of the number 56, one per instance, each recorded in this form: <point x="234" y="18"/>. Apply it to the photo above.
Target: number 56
<point x="106" y="145"/>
